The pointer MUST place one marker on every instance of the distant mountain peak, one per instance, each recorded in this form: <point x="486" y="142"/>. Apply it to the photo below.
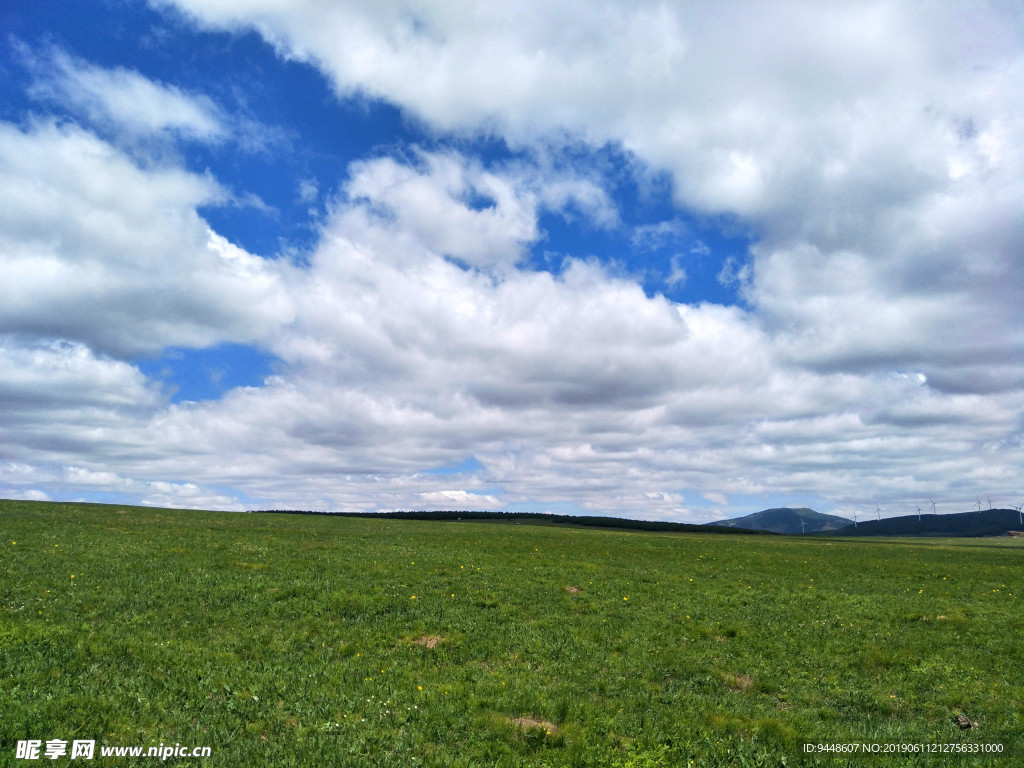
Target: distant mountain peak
<point x="788" y="520"/>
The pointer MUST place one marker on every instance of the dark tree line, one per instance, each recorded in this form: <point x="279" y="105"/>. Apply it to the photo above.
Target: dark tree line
<point x="590" y="521"/>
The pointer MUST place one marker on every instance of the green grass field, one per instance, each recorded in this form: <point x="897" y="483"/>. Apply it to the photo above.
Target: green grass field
<point x="282" y="640"/>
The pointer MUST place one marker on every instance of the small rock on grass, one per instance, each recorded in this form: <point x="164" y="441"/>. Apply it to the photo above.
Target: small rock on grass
<point x="964" y="722"/>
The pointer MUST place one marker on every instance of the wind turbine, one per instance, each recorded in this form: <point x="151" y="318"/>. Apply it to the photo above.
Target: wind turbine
<point x="989" y="502"/>
<point x="1020" y="514"/>
<point x="803" y="525"/>
<point x="855" y="518"/>
<point x="979" y="505"/>
<point x="933" y="506"/>
<point x="919" y="513"/>
<point x="878" y="512"/>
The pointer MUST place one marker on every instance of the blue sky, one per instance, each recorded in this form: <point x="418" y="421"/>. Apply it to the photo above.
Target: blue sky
<point x="668" y="261"/>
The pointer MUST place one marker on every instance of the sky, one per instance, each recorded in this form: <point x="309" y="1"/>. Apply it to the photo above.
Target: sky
<point x="661" y="260"/>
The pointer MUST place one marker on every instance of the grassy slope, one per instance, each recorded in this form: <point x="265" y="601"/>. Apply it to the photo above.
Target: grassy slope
<point x="289" y="640"/>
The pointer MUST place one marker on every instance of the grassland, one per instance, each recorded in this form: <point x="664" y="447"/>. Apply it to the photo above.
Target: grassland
<point x="298" y="641"/>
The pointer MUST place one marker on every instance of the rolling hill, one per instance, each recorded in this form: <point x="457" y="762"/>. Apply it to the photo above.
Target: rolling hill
<point x="988" y="522"/>
<point x="787" y="520"/>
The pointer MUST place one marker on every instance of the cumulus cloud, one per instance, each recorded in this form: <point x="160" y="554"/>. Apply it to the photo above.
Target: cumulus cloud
<point x="95" y="248"/>
<point x="450" y="206"/>
<point x="453" y="206"/>
<point x="872" y="150"/>
<point x="575" y="388"/>
<point x="838" y="132"/>
<point x="458" y="500"/>
<point x="31" y="494"/>
<point x="398" y="363"/>
<point x="153" y="493"/>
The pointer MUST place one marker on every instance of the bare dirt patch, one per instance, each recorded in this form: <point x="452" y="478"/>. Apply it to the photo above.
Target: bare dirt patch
<point x="527" y="723"/>
<point x="573" y="590"/>
<point x="430" y="641"/>
<point x="739" y="683"/>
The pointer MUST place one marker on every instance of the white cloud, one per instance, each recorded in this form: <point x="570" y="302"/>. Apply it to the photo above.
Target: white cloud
<point x="79" y="476"/>
<point x="156" y="493"/>
<point x="699" y="248"/>
<point x="827" y="128"/>
<point x="31" y="494"/>
<point x="659" y="235"/>
<point x="677" y="274"/>
<point x="95" y="248"/>
<point x="309" y="189"/>
<point x="734" y="274"/>
<point x="452" y="207"/>
<point x="123" y="98"/>
<point x="51" y="375"/>
<point x="185" y="496"/>
<point x="573" y="388"/>
<point x="397" y="363"/>
<point x="873" y="150"/>
<point x="458" y="500"/>
<point x="568" y="193"/>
